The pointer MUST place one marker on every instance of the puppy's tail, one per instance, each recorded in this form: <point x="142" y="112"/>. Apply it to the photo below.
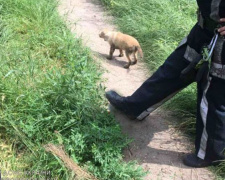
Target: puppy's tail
<point x="140" y="51"/>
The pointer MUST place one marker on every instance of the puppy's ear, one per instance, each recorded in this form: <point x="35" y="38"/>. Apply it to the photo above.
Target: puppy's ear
<point x="101" y="34"/>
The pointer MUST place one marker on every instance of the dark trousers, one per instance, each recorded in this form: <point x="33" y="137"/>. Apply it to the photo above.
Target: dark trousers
<point x="161" y="85"/>
<point x="210" y="124"/>
<point x="165" y="82"/>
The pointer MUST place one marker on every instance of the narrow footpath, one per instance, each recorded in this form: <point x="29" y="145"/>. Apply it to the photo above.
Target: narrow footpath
<point x="157" y="147"/>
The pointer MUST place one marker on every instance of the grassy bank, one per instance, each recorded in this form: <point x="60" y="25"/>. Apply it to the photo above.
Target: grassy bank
<point x="160" y="26"/>
<point x="49" y="94"/>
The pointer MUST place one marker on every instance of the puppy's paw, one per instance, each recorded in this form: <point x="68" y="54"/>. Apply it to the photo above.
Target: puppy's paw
<point x="133" y="62"/>
<point x="109" y="57"/>
<point x="127" y="66"/>
<point x="121" y="55"/>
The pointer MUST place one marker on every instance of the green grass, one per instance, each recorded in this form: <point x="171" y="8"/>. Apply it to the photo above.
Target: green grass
<point x="49" y="83"/>
<point x="159" y="26"/>
<point x="8" y="159"/>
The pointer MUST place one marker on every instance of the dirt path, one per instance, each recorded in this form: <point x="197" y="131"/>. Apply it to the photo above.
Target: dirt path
<point x="156" y="147"/>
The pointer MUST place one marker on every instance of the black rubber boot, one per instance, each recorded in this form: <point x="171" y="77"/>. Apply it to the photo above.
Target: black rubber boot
<point x="118" y="102"/>
<point x="193" y="161"/>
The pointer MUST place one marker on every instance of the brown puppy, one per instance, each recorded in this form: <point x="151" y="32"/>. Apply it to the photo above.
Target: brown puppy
<point x="118" y="40"/>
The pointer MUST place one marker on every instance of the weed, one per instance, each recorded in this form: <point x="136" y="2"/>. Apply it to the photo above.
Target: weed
<point x="50" y="92"/>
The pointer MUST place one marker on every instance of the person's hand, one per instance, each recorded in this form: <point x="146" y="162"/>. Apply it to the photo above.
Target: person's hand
<point x="222" y="29"/>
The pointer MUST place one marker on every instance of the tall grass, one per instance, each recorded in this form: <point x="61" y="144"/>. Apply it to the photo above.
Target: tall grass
<point x="49" y="93"/>
<point x="160" y="26"/>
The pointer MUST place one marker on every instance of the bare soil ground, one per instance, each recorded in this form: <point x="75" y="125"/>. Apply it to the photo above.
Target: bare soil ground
<point x="157" y="147"/>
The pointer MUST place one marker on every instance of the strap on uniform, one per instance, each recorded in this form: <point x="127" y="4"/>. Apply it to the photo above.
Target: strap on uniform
<point x="202" y="62"/>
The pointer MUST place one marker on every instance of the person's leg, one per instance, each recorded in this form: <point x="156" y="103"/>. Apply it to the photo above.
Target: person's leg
<point x="163" y="84"/>
<point x="210" y="142"/>
<point x="210" y="125"/>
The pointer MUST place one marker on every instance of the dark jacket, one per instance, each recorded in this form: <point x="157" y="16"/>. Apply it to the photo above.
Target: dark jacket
<point x="214" y="9"/>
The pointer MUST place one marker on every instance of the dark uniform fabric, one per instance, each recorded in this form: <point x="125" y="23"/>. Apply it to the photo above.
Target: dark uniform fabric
<point x="215" y="120"/>
<point x="209" y="8"/>
<point x="166" y="81"/>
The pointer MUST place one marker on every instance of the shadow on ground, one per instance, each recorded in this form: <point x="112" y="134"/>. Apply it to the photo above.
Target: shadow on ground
<point x="151" y="142"/>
